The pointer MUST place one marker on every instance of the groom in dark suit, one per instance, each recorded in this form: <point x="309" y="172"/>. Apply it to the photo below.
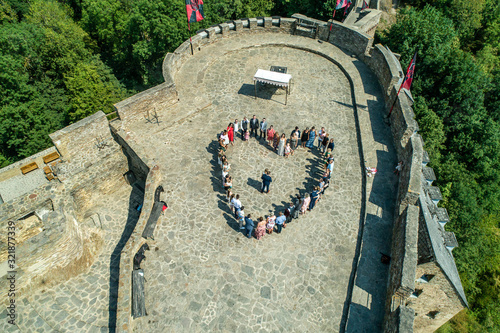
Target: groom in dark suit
<point x="254" y="125"/>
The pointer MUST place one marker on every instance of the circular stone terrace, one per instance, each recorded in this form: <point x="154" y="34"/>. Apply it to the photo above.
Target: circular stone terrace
<point x="323" y="272"/>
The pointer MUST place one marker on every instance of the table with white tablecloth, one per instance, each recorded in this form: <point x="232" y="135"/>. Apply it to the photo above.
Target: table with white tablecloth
<point x="273" y="78"/>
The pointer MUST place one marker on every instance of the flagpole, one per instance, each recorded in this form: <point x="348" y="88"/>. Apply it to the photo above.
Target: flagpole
<point x="331" y="24"/>
<point x="401" y="86"/>
<point x="190" y="41"/>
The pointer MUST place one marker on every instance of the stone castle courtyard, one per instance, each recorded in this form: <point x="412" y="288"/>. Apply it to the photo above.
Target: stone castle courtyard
<point x="323" y="273"/>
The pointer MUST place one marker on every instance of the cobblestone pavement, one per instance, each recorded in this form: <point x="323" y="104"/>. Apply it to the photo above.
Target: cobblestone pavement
<point x="202" y="274"/>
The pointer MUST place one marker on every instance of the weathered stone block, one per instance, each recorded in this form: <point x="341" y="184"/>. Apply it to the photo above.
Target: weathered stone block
<point x="268" y="22"/>
<point x="211" y="33"/>
<point x="252" y="23"/>
<point x="224" y="27"/>
<point x="288" y="24"/>
<point x="238" y="25"/>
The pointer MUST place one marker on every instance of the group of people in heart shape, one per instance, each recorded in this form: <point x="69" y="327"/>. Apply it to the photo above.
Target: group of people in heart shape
<point x="301" y="204"/>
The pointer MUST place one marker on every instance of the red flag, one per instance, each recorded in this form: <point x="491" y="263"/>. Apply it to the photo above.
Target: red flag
<point x="341" y="4"/>
<point x="194" y="10"/>
<point x="365" y="5"/>
<point x="409" y="73"/>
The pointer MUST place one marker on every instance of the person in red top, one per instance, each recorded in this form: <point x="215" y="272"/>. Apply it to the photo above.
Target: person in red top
<point x="230" y="133"/>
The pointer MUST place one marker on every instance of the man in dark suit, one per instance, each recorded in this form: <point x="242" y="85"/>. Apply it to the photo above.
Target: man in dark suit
<point x="249" y="225"/>
<point x="244" y="126"/>
<point x="254" y="125"/>
<point x="266" y="181"/>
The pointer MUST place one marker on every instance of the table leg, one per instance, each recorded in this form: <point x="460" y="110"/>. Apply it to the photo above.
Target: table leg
<point x="255" y="88"/>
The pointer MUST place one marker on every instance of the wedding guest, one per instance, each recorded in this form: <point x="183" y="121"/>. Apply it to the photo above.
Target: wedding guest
<point x="331" y="144"/>
<point x="254" y="125"/>
<point x="314" y="198"/>
<point x="305" y="204"/>
<point x="280" y="222"/>
<point x="241" y="217"/>
<point x="271" y="222"/>
<point x="261" y="228"/>
<point x="228" y="183"/>
<point x="324" y="143"/>
<point x="237" y="204"/>
<point x="270" y="135"/>
<point x="244" y="125"/>
<point x="304" y="137"/>
<point x="281" y="145"/>
<point x="276" y="140"/>
<point x="321" y="136"/>
<point x="236" y="126"/>
<point x="298" y="204"/>
<point x="294" y="137"/>
<point x="288" y="150"/>
<point x="231" y="204"/>
<point x="230" y="133"/>
<point x="263" y="128"/>
<point x="249" y="225"/>
<point x="289" y="212"/>
<point x="312" y="136"/>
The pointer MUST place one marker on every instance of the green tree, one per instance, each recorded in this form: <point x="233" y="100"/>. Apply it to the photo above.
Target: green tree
<point x="91" y="88"/>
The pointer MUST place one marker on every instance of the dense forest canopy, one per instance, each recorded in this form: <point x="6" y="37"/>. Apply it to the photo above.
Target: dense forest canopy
<point x="64" y="60"/>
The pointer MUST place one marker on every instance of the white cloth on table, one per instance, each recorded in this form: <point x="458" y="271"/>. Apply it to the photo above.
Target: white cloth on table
<point x="275" y="78"/>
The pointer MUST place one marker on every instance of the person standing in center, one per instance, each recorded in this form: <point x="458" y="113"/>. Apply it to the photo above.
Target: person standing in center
<point x="266" y="181"/>
<point x="263" y="128"/>
<point x="254" y="124"/>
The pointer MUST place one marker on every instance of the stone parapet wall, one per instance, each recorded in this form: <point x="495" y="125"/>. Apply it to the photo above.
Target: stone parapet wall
<point x="174" y="61"/>
<point x="410" y="181"/>
<point x="137" y="106"/>
<point x="124" y="322"/>
<point x="368" y="22"/>
<point x="385" y="65"/>
<point x="347" y="38"/>
<point x="77" y="138"/>
<point x="403" y="257"/>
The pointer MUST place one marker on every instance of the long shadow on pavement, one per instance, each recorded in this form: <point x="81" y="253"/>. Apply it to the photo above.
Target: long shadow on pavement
<point x="136" y="199"/>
